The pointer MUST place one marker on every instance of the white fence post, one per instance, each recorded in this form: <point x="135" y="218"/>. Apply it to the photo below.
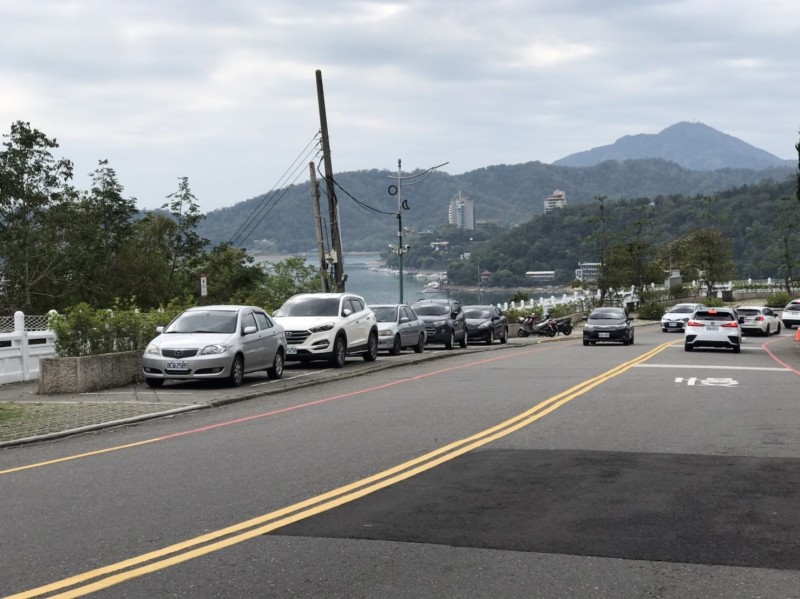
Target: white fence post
<point x="21" y="349"/>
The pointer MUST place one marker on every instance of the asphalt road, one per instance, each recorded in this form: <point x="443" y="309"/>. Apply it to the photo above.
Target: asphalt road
<point x="551" y="470"/>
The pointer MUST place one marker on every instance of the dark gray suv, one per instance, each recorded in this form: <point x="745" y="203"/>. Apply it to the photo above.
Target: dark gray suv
<point x="445" y="321"/>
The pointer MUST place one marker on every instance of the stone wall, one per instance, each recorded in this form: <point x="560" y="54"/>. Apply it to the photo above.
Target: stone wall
<point x="89" y="373"/>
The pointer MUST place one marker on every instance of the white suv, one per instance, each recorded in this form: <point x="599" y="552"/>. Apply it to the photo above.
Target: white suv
<point x="328" y="326"/>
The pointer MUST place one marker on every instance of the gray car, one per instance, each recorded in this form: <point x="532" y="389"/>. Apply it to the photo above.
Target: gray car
<point x="216" y="342"/>
<point x="399" y="327"/>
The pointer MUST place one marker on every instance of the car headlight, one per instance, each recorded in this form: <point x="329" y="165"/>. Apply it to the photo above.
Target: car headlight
<point x="588" y="328"/>
<point x="484" y="325"/>
<point x="384" y="333"/>
<point x="152" y="349"/>
<point x="321" y="328"/>
<point x="439" y="323"/>
<point x="217" y="348"/>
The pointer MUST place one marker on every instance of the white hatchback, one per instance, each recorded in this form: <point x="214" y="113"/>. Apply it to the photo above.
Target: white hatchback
<point x="760" y="320"/>
<point x="675" y="318"/>
<point x="713" y="327"/>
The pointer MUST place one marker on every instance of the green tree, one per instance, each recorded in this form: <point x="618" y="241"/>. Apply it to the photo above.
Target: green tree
<point x="187" y="248"/>
<point x="711" y="255"/>
<point x="231" y="274"/>
<point x="283" y="280"/>
<point x="35" y="195"/>
<point x="147" y="257"/>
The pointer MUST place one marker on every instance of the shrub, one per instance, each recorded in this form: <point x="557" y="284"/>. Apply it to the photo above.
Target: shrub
<point x="650" y="311"/>
<point x="778" y="299"/>
<point x="712" y="301"/>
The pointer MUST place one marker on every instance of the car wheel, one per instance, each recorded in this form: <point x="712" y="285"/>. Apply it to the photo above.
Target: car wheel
<point x="586" y="342"/>
<point x="504" y="337"/>
<point x="737" y="349"/>
<point x="631" y="337"/>
<point x="236" y="376"/>
<point x="395" y="346"/>
<point x="372" y="347"/>
<point x="154" y="383"/>
<point x="339" y="352"/>
<point x="768" y="332"/>
<point x="778" y="330"/>
<point x="420" y="346"/>
<point x="490" y="338"/>
<point x="663" y="330"/>
<point x="276" y="370"/>
<point x="463" y="342"/>
<point x="450" y="341"/>
<point x="626" y="340"/>
<point x="687" y="347"/>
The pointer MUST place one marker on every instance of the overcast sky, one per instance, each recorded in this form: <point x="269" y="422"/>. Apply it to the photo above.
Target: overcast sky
<point x="224" y="92"/>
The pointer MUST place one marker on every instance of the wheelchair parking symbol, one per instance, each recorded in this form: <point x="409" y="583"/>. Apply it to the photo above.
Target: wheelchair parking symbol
<point x="708" y="382"/>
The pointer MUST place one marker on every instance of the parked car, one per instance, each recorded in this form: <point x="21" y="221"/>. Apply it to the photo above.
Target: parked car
<point x="215" y="342"/>
<point x="759" y="319"/>
<point x="791" y="314"/>
<point x="714" y="327"/>
<point x="486" y="323"/>
<point x="398" y="327"/>
<point x="675" y="318"/>
<point x="444" y="321"/>
<point x="608" y="324"/>
<point x="328" y="326"/>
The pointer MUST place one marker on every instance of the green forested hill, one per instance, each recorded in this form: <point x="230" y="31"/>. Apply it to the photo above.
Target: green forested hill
<point x="508" y="195"/>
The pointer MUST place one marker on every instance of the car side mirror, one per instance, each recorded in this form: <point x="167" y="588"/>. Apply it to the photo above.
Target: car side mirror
<point x="159" y="330"/>
<point x="249" y="330"/>
<point x="347" y="312"/>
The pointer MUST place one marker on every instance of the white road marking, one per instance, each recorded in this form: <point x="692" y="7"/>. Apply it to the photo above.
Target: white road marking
<point x="710" y="367"/>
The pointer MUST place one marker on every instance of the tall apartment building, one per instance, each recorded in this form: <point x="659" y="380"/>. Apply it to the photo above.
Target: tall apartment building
<point x="557" y="199"/>
<point x="461" y="212"/>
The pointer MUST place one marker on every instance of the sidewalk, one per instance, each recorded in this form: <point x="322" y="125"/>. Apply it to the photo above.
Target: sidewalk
<point x="26" y="416"/>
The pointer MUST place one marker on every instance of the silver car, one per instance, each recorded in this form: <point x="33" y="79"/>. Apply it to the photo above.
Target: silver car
<point x="215" y="342"/>
<point x="399" y="327"/>
<point x="676" y="317"/>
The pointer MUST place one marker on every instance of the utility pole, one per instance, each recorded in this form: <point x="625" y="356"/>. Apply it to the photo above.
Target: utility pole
<point x="402" y="204"/>
<point x="323" y="265"/>
<point x="336" y="258"/>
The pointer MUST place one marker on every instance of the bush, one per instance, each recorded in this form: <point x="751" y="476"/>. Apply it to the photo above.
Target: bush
<point x="650" y="311"/>
<point x="712" y="301"/>
<point x="778" y="299"/>
<point x="84" y="331"/>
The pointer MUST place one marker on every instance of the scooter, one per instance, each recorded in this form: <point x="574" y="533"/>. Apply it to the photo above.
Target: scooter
<point x="563" y="325"/>
<point x="543" y="328"/>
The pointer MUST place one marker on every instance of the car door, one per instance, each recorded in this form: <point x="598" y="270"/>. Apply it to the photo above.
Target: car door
<point x="252" y="343"/>
<point x="408" y="326"/>
<point x="270" y="337"/>
<point x="459" y="320"/>
<point x="356" y="321"/>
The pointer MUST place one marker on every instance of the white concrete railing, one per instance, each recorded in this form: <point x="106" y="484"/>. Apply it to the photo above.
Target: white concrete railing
<point x="21" y="348"/>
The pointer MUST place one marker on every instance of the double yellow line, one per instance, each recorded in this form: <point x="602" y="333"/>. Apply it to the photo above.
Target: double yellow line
<point x="113" y="574"/>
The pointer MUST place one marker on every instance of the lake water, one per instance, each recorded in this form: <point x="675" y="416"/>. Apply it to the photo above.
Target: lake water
<point x="384" y="287"/>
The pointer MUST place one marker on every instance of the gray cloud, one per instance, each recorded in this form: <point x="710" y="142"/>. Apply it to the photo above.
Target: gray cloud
<point x="224" y="92"/>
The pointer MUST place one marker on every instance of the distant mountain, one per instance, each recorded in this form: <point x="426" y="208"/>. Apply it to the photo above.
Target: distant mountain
<point x="693" y="146"/>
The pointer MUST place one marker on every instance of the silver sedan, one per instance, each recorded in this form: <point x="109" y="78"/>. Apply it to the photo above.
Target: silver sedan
<point x="399" y="327"/>
<point x="215" y="342"/>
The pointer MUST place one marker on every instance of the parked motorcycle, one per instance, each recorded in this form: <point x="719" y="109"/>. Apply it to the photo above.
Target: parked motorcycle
<point x="544" y="328"/>
<point x="564" y="325"/>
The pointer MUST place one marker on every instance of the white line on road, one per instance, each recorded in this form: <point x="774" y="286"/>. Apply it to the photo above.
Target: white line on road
<point x="710" y="367"/>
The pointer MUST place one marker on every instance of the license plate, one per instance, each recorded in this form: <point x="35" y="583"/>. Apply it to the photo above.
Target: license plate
<point x="602" y="335"/>
<point x="177" y="366"/>
<point x="291" y="350"/>
<point x="712" y="328"/>
<point x="672" y="324"/>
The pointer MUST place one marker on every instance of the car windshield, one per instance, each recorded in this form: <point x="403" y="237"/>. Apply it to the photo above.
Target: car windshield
<point x="714" y="315"/>
<point x="607" y="316"/>
<point x="205" y="321"/>
<point x="793" y="307"/>
<point x="432" y="309"/>
<point x="749" y="311"/>
<point x="477" y="313"/>
<point x="310" y="306"/>
<point x="387" y="314"/>
<point x="682" y="310"/>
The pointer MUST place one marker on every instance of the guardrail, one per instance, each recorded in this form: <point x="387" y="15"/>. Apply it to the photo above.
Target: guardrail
<point x="22" y="345"/>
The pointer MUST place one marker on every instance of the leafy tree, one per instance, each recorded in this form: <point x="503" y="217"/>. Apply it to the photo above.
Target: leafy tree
<point x="187" y="246"/>
<point x="231" y="274"/>
<point x="712" y="255"/>
<point x="283" y="280"/>
<point x="147" y="257"/>
<point x="34" y="218"/>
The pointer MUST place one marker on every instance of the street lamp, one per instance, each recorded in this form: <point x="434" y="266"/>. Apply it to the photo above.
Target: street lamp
<point x="402" y="204"/>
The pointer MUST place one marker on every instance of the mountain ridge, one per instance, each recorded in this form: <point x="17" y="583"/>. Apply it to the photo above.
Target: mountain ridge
<point x="694" y="146"/>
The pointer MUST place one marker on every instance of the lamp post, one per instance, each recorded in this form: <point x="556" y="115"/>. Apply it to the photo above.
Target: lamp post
<point x="402" y="204"/>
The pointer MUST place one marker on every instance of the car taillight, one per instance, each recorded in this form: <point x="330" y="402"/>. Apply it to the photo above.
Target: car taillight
<point x="694" y="323"/>
<point x="759" y="318"/>
<point x="731" y="325"/>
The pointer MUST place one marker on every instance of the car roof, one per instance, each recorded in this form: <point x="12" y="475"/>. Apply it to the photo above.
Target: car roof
<point x="754" y="307"/>
<point x="224" y="307"/>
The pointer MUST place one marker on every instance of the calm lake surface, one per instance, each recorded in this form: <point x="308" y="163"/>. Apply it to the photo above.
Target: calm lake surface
<point x="384" y="287"/>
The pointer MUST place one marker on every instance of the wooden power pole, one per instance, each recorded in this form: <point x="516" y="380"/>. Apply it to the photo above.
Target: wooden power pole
<point x="337" y="258"/>
<point x="323" y="265"/>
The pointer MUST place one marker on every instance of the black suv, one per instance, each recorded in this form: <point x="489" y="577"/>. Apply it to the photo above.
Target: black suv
<point x="444" y="321"/>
